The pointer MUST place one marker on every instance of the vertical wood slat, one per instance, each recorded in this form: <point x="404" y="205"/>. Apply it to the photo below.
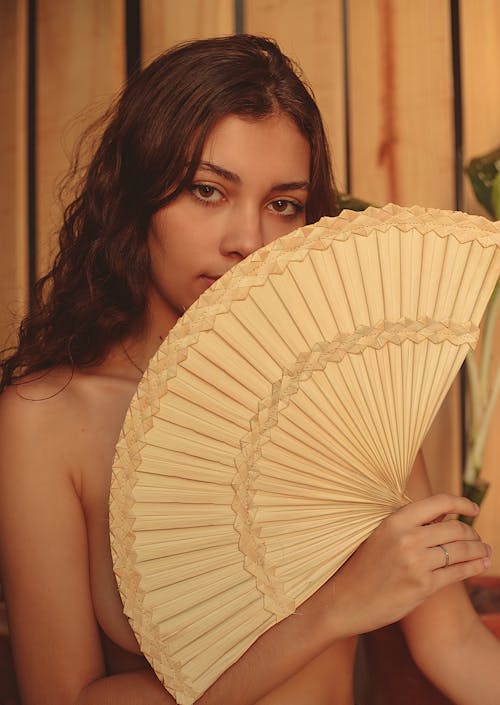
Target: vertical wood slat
<point x="480" y="52"/>
<point x="401" y="102"/>
<point x="312" y="34"/>
<point x="80" y="64"/>
<point x="167" y="23"/>
<point x="13" y="167"/>
<point x="401" y="128"/>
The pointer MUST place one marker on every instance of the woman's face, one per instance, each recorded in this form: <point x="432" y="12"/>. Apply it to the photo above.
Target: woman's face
<point x="251" y="187"/>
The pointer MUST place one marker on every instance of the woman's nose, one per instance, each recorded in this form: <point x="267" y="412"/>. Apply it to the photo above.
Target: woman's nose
<point x="243" y="234"/>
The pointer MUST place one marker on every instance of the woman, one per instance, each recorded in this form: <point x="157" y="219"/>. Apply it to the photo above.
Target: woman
<point x="214" y="150"/>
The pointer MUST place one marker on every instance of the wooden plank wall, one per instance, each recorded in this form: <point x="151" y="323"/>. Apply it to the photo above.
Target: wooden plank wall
<point x="13" y="147"/>
<point x="381" y="70"/>
<point x="80" y="60"/>
<point x="166" y="23"/>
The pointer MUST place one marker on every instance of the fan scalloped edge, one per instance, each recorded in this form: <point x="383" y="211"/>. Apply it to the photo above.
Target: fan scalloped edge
<point x="273" y="258"/>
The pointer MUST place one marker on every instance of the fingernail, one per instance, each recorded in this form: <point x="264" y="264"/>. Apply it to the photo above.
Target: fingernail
<point x="476" y="507"/>
<point x="487" y="562"/>
<point x="489" y="550"/>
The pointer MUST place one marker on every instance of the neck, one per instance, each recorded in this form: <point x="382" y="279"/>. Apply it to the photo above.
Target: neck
<point x="138" y="349"/>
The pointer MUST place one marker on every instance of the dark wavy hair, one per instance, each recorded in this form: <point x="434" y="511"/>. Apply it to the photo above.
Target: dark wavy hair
<point x="95" y="292"/>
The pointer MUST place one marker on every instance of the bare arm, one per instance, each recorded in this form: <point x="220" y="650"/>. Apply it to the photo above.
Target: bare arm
<point x="448" y="640"/>
<point x="454" y="649"/>
<point x="277" y="655"/>
<point x="45" y="568"/>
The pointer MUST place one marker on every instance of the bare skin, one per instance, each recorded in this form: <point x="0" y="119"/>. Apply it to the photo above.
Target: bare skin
<point x="71" y="641"/>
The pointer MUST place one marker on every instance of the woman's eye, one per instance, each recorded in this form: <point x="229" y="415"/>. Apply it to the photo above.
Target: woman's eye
<point x="284" y="207"/>
<point x="206" y="193"/>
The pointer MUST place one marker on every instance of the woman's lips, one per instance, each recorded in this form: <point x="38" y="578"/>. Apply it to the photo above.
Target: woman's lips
<point x="209" y="280"/>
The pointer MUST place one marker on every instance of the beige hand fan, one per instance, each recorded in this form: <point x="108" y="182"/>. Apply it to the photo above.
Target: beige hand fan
<point x="277" y="425"/>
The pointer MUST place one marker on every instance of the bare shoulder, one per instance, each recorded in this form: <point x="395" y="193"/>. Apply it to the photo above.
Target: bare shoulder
<point x="63" y="418"/>
<point x="57" y="438"/>
<point x="58" y="433"/>
<point x="34" y="415"/>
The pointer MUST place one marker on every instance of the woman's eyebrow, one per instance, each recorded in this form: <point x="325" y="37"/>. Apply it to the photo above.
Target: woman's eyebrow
<point x="292" y="186"/>
<point x="234" y="178"/>
<point x="224" y="173"/>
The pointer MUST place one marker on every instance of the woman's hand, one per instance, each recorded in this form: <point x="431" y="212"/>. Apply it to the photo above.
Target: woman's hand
<point x="410" y="556"/>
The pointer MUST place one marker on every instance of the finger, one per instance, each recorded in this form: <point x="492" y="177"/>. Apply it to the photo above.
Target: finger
<point x="445" y="555"/>
<point x="460" y="571"/>
<point x="448" y="531"/>
<point x="425" y="511"/>
<point x="438" y="519"/>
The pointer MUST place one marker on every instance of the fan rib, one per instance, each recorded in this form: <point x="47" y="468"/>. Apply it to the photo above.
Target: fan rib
<point x="337" y="427"/>
<point x="317" y="442"/>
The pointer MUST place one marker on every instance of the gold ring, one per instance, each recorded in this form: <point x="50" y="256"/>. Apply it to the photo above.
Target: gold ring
<point x="447" y="555"/>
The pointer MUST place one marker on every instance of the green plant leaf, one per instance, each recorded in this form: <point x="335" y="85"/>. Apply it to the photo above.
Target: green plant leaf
<point x="482" y="172"/>
<point x="495" y="197"/>
<point x="347" y="201"/>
